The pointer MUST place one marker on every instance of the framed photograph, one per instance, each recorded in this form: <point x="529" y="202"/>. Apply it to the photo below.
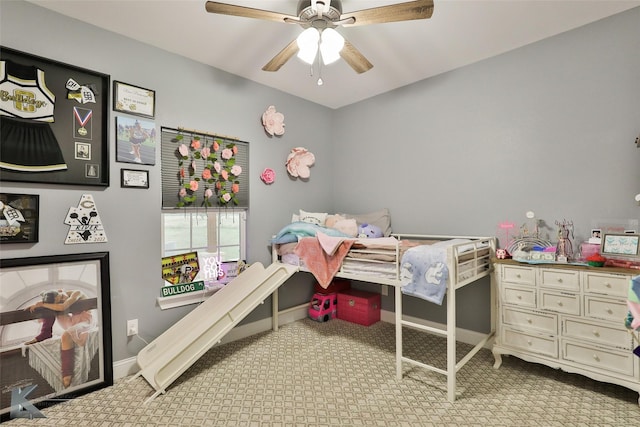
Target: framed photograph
<point x="135" y="141"/>
<point x="131" y="178"/>
<point x="62" y="136"/>
<point x="19" y="218"/>
<point x="627" y="245"/>
<point x="55" y="330"/>
<point x="134" y="100"/>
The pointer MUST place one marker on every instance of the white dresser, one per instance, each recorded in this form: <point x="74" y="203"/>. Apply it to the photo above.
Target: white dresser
<point x="567" y="317"/>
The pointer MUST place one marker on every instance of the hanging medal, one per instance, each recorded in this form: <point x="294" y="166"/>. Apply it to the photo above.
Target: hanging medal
<point x="82" y="123"/>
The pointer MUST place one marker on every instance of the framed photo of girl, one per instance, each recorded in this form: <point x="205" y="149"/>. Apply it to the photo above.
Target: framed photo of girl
<point x="55" y="330"/>
<point x="54" y="122"/>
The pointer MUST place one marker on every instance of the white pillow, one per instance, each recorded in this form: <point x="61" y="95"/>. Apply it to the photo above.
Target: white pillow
<point x="317" y="218"/>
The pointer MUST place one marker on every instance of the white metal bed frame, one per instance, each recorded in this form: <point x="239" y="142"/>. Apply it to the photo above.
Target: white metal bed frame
<point x="478" y="260"/>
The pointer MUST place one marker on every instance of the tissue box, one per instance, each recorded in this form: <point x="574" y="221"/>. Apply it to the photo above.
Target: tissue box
<point x="588" y="249"/>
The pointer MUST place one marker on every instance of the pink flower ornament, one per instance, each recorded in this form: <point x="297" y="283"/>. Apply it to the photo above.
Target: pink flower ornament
<point x="299" y="161"/>
<point x="183" y="150"/>
<point x="268" y="176"/>
<point x="226" y="154"/>
<point x="273" y="121"/>
<point x="236" y="170"/>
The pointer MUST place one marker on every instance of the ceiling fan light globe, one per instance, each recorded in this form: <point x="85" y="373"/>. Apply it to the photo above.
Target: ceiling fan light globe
<point x="308" y="45"/>
<point x="331" y="45"/>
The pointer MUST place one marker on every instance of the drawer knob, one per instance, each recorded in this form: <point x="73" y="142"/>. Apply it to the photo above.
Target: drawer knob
<point x="608" y="285"/>
<point x="609" y="311"/>
<point x="596" y="333"/>
<point x="519" y="296"/>
<point x="559" y="280"/>
<point x="559" y="303"/>
<point x="518" y="276"/>
<point x="529" y="342"/>
<point x="596" y="358"/>
<point x="529" y="320"/>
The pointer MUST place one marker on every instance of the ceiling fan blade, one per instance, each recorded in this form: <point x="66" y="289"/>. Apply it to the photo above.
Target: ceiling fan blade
<point x="282" y="57"/>
<point x="354" y="58"/>
<point x="246" y="12"/>
<point x="420" y="9"/>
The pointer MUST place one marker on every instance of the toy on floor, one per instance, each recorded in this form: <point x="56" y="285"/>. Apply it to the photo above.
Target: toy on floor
<point x="323" y="306"/>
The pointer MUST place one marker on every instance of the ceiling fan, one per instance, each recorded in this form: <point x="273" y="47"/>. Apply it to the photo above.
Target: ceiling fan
<point x="319" y="18"/>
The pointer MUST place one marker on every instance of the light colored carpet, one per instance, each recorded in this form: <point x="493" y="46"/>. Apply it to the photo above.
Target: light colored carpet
<point x="342" y="374"/>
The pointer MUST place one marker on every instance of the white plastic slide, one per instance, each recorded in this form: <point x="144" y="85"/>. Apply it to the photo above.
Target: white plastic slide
<point x="172" y="353"/>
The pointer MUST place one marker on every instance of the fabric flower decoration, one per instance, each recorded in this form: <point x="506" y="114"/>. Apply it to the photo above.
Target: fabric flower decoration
<point x="299" y="161"/>
<point x="208" y="193"/>
<point x="193" y="185"/>
<point x="206" y="174"/>
<point x="273" y="121"/>
<point x="227" y="154"/>
<point x="195" y="144"/>
<point x="268" y="176"/>
<point x="183" y="150"/>
<point x="236" y="170"/>
<point x="205" y="152"/>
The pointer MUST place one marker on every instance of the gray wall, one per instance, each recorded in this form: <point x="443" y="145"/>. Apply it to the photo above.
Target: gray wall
<point x="226" y="104"/>
<point x="548" y="127"/>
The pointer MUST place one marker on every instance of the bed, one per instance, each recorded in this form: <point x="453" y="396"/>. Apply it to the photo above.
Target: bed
<point x="420" y="266"/>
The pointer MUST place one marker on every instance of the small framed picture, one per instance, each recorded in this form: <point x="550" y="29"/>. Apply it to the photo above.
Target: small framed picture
<point x="19" y="218"/>
<point x="83" y="151"/>
<point x="134" y="100"/>
<point x="627" y="245"/>
<point x="131" y="178"/>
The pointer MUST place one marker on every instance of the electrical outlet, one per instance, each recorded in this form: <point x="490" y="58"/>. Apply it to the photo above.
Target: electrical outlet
<point x="384" y="290"/>
<point x="132" y="327"/>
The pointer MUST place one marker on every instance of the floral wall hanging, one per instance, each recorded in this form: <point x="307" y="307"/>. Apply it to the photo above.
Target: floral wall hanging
<point x="268" y="176"/>
<point x="211" y="164"/>
<point x="273" y="121"/>
<point x="299" y="161"/>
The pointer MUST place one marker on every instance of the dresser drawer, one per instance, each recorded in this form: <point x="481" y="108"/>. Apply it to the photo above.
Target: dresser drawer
<point x="536" y="321"/>
<point x="594" y="331"/>
<point x="525" y="297"/>
<point x="519" y="275"/>
<point x="559" y="302"/>
<point x="605" y="308"/>
<point x="560" y="279"/>
<point x="609" y="284"/>
<point x="620" y="362"/>
<point x="531" y="343"/>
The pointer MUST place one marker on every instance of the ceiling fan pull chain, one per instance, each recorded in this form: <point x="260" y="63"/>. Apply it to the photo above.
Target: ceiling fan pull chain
<point x="320" y="81"/>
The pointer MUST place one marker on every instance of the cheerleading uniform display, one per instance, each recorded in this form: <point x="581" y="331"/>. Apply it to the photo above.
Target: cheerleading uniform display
<point x="27" y="142"/>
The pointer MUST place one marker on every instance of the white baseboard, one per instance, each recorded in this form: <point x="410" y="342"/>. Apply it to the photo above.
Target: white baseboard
<point x="126" y="367"/>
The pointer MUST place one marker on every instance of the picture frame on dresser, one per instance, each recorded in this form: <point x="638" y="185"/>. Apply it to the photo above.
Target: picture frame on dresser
<point x="623" y="245"/>
<point x="34" y="352"/>
<point x="61" y="135"/>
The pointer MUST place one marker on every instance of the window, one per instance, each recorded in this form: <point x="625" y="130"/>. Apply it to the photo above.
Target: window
<point x="221" y="232"/>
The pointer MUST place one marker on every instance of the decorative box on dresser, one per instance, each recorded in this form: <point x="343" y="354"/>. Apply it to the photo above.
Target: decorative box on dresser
<point x="568" y="317"/>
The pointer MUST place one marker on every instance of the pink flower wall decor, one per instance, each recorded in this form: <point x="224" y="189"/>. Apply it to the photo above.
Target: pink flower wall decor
<point x="273" y="121"/>
<point x="219" y="175"/>
<point x="268" y="176"/>
<point x="299" y="161"/>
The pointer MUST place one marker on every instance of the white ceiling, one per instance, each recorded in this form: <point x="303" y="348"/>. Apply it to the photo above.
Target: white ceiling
<point x="459" y="33"/>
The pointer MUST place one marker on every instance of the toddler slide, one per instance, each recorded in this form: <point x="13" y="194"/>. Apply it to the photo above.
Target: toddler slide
<point x="172" y="353"/>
